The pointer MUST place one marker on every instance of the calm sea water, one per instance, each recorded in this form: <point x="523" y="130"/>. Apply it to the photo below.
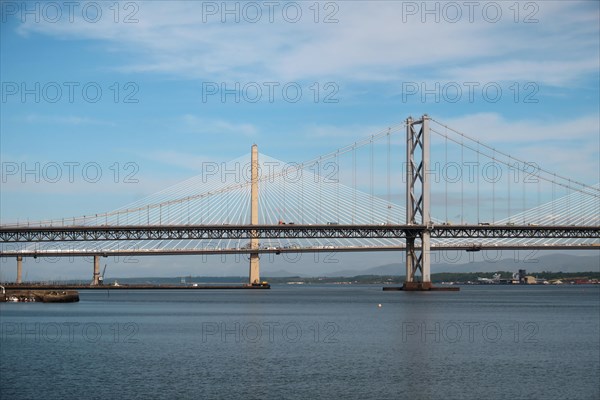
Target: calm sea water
<point x="303" y="342"/>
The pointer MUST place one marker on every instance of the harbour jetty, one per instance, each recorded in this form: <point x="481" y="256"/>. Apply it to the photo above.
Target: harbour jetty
<point x="75" y="287"/>
<point x="39" y="296"/>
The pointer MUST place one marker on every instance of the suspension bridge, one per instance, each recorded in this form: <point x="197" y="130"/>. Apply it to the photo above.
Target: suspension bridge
<point x="415" y="187"/>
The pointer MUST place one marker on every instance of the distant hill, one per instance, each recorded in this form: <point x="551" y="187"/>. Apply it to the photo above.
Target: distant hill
<point x="551" y="263"/>
<point x="554" y="263"/>
<point x="280" y="273"/>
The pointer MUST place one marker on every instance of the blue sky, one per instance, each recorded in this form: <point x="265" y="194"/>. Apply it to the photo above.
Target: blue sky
<point x="161" y="67"/>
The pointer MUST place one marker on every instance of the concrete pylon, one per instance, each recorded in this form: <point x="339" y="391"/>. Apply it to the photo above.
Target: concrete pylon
<point x="96" y="278"/>
<point x="254" y="275"/>
<point x="19" y="269"/>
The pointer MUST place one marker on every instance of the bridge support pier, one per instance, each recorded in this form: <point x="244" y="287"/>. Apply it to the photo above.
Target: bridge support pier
<point x="417" y="203"/>
<point x="418" y="208"/>
<point x="254" y="273"/>
<point x="254" y="277"/>
<point x="19" y="270"/>
<point x="96" y="278"/>
<point x="417" y="260"/>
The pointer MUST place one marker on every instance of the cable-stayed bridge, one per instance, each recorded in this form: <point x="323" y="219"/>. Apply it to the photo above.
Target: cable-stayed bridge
<point x="414" y="187"/>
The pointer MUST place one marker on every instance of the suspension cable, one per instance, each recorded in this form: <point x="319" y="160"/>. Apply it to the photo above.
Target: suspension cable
<point x="514" y="158"/>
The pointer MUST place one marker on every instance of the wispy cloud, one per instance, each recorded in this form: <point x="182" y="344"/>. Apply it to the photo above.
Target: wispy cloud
<point x="341" y="134"/>
<point x="197" y="124"/>
<point x="372" y="41"/>
<point x="64" y="120"/>
<point x="179" y="159"/>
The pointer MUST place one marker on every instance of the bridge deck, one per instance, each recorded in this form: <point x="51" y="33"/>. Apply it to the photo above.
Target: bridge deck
<point x="196" y="232"/>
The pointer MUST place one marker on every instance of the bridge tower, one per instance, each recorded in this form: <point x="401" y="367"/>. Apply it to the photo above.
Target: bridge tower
<point x="96" y="277"/>
<point x="417" y="203"/>
<point x="254" y="275"/>
<point x="19" y="269"/>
